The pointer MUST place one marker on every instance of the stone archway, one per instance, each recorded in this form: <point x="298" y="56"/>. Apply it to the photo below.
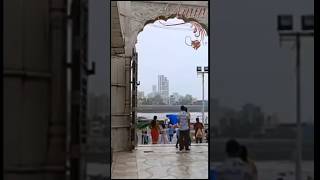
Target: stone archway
<point x="133" y="16"/>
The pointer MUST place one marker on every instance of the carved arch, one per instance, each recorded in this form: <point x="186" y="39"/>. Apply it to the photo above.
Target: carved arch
<point x="198" y="28"/>
<point x="182" y="17"/>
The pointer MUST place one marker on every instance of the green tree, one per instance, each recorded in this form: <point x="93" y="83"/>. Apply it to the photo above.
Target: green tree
<point x="158" y="100"/>
<point x="186" y="100"/>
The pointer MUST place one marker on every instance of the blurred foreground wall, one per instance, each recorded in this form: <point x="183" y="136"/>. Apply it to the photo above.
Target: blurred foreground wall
<point x="34" y="89"/>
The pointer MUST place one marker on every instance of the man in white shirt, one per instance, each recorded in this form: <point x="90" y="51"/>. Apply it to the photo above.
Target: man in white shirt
<point x="233" y="168"/>
<point x="184" y="125"/>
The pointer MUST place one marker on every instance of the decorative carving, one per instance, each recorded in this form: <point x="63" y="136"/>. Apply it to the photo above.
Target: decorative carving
<point x="141" y="10"/>
<point x="199" y="30"/>
<point x="195" y="44"/>
<point x="143" y="13"/>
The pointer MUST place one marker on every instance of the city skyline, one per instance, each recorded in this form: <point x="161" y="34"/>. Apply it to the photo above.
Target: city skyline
<point x="154" y="89"/>
<point x="146" y="93"/>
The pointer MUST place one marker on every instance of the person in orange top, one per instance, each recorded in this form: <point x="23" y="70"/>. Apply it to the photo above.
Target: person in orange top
<point x="198" y="127"/>
<point x="154" y="130"/>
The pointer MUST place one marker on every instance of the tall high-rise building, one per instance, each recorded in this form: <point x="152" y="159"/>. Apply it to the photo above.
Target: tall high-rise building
<point x="163" y="88"/>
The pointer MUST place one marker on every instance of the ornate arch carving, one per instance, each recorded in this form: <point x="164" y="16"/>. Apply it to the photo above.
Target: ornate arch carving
<point x="196" y="25"/>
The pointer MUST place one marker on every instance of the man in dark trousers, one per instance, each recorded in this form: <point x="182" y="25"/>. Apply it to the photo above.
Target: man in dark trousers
<point x="184" y="124"/>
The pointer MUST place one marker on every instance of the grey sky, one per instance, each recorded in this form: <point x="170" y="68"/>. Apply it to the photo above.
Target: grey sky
<point x="162" y="50"/>
<point x="248" y="63"/>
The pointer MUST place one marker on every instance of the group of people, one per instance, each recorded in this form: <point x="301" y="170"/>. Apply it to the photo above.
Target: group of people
<point x="182" y="130"/>
<point x="237" y="166"/>
<point x="162" y="131"/>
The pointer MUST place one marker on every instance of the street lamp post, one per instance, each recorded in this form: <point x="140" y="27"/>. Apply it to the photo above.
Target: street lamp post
<point x="199" y="71"/>
<point x="285" y="24"/>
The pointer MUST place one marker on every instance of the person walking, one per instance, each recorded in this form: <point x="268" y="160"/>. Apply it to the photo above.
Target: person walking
<point x="163" y="134"/>
<point x="154" y="130"/>
<point x="249" y="162"/>
<point x="170" y="132"/>
<point x="146" y="137"/>
<point x="189" y="123"/>
<point x="184" y="136"/>
<point x="198" y="127"/>
<point x="233" y="168"/>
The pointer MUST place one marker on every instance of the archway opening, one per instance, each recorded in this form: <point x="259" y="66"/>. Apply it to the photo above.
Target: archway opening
<point x="169" y="51"/>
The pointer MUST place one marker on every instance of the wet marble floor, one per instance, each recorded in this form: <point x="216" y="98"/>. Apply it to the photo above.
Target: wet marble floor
<point x="161" y="162"/>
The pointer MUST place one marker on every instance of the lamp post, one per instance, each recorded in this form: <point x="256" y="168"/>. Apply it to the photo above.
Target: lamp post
<point x="285" y="25"/>
<point x="199" y="71"/>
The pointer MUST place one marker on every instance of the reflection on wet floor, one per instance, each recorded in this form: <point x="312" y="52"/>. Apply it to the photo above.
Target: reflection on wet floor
<point x="161" y="162"/>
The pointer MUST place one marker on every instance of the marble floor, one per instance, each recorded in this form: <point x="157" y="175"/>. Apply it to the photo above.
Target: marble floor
<point x="161" y="162"/>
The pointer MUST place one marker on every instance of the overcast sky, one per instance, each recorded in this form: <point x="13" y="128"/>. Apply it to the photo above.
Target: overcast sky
<point x="162" y="51"/>
<point x="248" y="63"/>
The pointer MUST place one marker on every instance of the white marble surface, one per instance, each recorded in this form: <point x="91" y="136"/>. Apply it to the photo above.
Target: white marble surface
<point x="161" y="162"/>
